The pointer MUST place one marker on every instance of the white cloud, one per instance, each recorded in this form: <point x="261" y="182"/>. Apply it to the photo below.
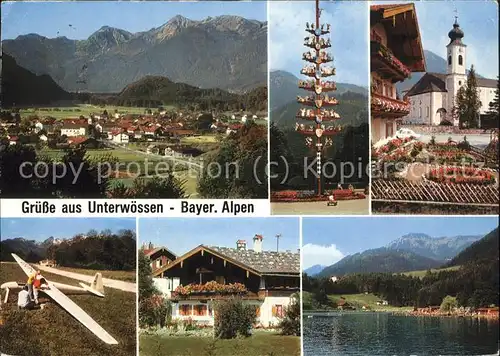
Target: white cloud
<point x="320" y="255"/>
<point x="349" y="37"/>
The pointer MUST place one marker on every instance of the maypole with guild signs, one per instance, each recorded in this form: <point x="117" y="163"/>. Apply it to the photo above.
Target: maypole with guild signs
<point x="319" y="100"/>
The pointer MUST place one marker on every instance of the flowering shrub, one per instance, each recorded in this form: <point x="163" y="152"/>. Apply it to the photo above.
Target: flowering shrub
<point x="391" y="58"/>
<point x="394" y="144"/>
<point x="233" y="318"/>
<point x="211" y="287"/>
<point x="308" y="196"/>
<point x="346" y="194"/>
<point x="461" y="175"/>
<point x="449" y="153"/>
<point x="399" y="155"/>
<point x="295" y="195"/>
<point x="154" y="311"/>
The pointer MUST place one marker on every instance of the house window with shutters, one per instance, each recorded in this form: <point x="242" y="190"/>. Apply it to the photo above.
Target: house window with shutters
<point x="389" y="130"/>
<point x="278" y="311"/>
<point x="200" y="310"/>
<point x="185" y="310"/>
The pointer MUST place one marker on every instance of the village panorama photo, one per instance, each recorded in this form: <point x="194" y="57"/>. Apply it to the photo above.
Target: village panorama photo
<point x="166" y="100"/>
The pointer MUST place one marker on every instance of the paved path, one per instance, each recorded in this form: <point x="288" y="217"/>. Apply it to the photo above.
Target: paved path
<point x="111" y="283"/>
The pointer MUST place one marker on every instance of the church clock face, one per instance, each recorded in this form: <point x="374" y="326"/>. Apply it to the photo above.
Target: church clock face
<point x="460" y="50"/>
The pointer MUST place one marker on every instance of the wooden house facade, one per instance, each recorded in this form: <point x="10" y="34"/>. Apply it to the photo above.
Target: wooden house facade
<point x="266" y="279"/>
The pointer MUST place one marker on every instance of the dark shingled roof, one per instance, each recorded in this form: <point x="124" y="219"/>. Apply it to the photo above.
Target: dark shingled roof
<point x="487" y="83"/>
<point x="265" y="262"/>
<point x="434" y="82"/>
<point x="158" y="249"/>
<point x="430" y="82"/>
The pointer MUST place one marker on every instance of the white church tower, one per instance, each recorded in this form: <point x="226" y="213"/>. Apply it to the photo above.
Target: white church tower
<point x="456" y="69"/>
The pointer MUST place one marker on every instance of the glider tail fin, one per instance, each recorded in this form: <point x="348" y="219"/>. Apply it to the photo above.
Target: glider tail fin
<point x="97" y="283"/>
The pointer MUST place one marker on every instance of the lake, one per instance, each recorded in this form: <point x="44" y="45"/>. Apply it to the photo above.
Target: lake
<point x="366" y="333"/>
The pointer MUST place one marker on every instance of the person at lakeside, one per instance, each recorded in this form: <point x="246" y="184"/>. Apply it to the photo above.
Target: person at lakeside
<point x="24" y="300"/>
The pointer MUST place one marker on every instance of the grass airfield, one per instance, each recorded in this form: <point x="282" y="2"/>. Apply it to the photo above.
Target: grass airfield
<point x="53" y="332"/>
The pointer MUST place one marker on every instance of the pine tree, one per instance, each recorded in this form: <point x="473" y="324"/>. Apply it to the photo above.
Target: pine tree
<point x="494" y="106"/>
<point x="468" y="103"/>
<point x="146" y="285"/>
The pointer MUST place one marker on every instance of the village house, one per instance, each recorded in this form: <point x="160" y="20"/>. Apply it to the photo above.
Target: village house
<point x="48" y="263"/>
<point x="159" y="257"/>
<point x="433" y="97"/>
<point x="118" y="136"/>
<point x="72" y="130"/>
<point x="342" y="304"/>
<point x="266" y="279"/>
<point x="395" y="52"/>
<point x="38" y="127"/>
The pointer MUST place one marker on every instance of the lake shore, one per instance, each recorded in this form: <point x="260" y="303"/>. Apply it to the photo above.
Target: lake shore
<point x="490" y="316"/>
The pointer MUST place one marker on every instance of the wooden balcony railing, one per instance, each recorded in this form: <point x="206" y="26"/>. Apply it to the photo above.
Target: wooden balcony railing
<point x="383" y="55"/>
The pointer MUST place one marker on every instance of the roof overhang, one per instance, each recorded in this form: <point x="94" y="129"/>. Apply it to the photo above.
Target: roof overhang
<point x="158" y="250"/>
<point x="201" y="250"/>
<point x="403" y="34"/>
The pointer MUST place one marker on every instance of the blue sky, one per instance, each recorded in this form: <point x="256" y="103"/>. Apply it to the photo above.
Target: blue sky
<point x="478" y="20"/>
<point x="349" y="37"/>
<point x="52" y="19"/>
<point x="40" y="229"/>
<point x="182" y="235"/>
<point x="327" y="240"/>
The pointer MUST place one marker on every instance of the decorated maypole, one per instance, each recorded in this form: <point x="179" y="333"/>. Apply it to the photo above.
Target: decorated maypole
<point x="319" y="100"/>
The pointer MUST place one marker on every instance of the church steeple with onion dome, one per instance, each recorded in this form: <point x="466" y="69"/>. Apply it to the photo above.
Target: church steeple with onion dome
<point x="456" y="34"/>
<point x="456" y="66"/>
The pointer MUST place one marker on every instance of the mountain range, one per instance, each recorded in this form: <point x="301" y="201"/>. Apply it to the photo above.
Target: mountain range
<point x="284" y="89"/>
<point x="227" y="52"/>
<point x="22" y="87"/>
<point x="414" y="251"/>
<point x="437" y="248"/>
<point x="314" y="270"/>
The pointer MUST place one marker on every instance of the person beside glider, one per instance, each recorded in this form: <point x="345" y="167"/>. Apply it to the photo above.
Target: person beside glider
<point x="37" y="285"/>
<point x="31" y="280"/>
<point x="24" y="300"/>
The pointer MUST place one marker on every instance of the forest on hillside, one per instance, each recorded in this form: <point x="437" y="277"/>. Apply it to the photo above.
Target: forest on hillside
<point x="155" y="91"/>
<point x="94" y="250"/>
<point x="102" y="251"/>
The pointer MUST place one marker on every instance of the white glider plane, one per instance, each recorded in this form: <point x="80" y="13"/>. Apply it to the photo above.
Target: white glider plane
<point x="54" y="291"/>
